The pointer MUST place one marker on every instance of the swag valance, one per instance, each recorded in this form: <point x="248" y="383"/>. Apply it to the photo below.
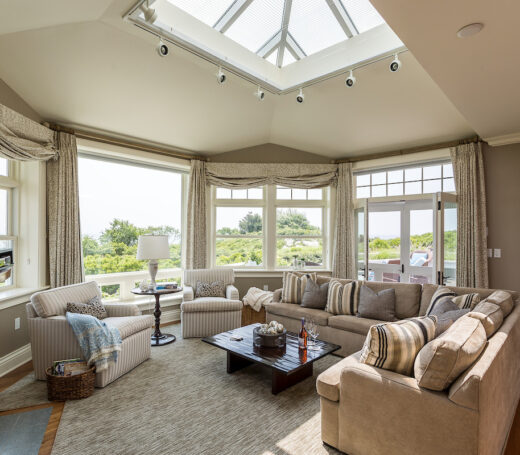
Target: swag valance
<point x="250" y="175"/>
<point x="23" y="139"/>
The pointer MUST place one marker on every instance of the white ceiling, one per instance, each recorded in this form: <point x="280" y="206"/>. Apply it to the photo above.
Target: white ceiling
<point x="104" y="74"/>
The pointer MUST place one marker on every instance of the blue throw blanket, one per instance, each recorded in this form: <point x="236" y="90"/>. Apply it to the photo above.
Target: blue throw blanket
<point x="99" y="342"/>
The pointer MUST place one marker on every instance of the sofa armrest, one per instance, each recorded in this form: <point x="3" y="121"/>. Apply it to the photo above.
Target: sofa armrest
<point x="122" y="309"/>
<point x="232" y="292"/>
<point x="188" y="293"/>
<point x="277" y="295"/>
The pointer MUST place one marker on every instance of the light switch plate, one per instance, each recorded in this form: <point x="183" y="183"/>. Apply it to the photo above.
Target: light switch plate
<point x="498" y="253"/>
<point x="490" y="253"/>
<point x="16" y="323"/>
<point x="266" y="287"/>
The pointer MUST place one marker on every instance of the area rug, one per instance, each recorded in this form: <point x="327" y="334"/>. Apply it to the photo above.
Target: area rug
<point x="182" y="402"/>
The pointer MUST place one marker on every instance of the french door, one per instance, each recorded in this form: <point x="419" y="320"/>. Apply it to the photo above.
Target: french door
<point x="408" y="241"/>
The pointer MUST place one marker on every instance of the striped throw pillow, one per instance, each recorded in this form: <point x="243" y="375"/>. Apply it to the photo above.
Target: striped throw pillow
<point x="343" y="298"/>
<point x="466" y="301"/>
<point x="462" y="301"/>
<point x="294" y="286"/>
<point x="394" y="345"/>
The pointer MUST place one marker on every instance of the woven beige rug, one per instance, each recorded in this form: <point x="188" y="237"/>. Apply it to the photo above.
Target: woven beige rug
<point x="182" y="402"/>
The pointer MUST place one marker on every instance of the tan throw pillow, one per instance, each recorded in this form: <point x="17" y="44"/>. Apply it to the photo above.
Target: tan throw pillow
<point x="490" y="315"/>
<point x="343" y="298"/>
<point x="504" y="300"/>
<point x="466" y="301"/>
<point x="394" y="345"/>
<point x="442" y="360"/>
<point x="294" y="286"/>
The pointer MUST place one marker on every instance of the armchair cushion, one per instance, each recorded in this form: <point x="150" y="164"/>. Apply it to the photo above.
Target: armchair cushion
<point x="210" y="304"/>
<point x="232" y="292"/>
<point x="128" y="325"/>
<point x="122" y="309"/>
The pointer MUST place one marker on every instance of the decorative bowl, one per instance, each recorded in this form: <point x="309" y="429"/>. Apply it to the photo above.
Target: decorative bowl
<point x="276" y="340"/>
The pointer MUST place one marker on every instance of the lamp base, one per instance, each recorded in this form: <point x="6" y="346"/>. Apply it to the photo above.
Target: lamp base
<point x="153" y="266"/>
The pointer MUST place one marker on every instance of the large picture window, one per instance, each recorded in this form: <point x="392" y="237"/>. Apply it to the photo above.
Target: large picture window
<point x="7" y="238"/>
<point x="271" y="227"/>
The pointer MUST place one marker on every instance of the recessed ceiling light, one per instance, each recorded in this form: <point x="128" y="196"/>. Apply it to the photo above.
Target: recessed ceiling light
<point x="470" y="30"/>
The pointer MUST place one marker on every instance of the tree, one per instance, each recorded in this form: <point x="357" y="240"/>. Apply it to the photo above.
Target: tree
<point x="90" y="245"/>
<point x="292" y="222"/>
<point x="121" y="231"/>
<point x="250" y="224"/>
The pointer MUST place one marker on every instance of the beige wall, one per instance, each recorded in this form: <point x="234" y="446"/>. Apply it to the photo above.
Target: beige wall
<point x="502" y="170"/>
<point x="10" y="98"/>
<point x="269" y="153"/>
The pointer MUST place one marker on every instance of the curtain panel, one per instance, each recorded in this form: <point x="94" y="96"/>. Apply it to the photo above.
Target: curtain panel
<point x="63" y="223"/>
<point x="23" y="139"/>
<point x="196" y="247"/>
<point x="468" y="169"/>
<point x="343" y="257"/>
<point x="250" y="175"/>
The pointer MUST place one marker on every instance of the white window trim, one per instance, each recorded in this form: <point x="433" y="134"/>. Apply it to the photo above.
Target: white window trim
<point x="11" y="185"/>
<point x="269" y="205"/>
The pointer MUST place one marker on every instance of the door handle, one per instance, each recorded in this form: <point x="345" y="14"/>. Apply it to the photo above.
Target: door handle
<point x="402" y="268"/>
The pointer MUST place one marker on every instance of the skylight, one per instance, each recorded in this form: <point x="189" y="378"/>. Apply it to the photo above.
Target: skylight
<point x="284" y="31"/>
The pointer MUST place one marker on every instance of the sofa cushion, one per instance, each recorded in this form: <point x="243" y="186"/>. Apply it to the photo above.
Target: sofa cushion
<point x="128" y="325"/>
<point x="290" y="310"/>
<point x="490" y="316"/>
<point x="407" y="297"/>
<point x="353" y="323"/>
<point x="209" y="304"/>
<point x="315" y="295"/>
<point x="377" y="305"/>
<point x="343" y="298"/>
<point x="394" y="345"/>
<point x="294" y="286"/>
<point x="503" y="299"/>
<point x="328" y="382"/>
<point x="442" y="360"/>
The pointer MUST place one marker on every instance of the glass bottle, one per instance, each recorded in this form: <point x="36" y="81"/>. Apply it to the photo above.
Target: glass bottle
<point x="302" y="336"/>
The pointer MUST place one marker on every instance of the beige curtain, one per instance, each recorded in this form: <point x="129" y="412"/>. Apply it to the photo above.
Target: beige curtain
<point x="343" y="257"/>
<point x="196" y="254"/>
<point x="64" y="236"/>
<point x="249" y="175"/>
<point x="23" y="139"/>
<point x="468" y="168"/>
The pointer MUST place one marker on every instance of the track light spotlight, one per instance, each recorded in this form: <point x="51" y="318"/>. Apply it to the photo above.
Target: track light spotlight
<point x="150" y="15"/>
<point x="162" y="49"/>
<point x="300" y="97"/>
<point x="395" y="64"/>
<point x="221" y="77"/>
<point x="260" y="94"/>
<point x="350" y="80"/>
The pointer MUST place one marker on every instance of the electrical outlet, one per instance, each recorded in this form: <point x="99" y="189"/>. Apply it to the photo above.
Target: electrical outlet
<point x="498" y="253"/>
<point x="490" y="253"/>
<point x="16" y="323"/>
<point x="266" y="287"/>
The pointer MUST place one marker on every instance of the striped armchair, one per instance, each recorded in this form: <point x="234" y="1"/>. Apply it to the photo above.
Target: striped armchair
<point x="52" y="337"/>
<point x="205" y="316"/>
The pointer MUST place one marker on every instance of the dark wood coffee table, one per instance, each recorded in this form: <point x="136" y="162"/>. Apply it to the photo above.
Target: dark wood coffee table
<point x="289" y="365"/>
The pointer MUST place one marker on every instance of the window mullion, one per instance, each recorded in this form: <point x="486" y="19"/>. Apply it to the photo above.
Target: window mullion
<point x="270" y="228"/>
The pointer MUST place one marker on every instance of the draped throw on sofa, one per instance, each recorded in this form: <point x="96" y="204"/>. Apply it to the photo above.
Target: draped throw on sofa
<point x="23" y="139"/>
<point x="468" y="169"/>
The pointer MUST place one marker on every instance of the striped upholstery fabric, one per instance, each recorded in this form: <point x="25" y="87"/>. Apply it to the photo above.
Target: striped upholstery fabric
<point x="54" y="301"/>
<point x="121" y="309"/>
<point x="466" y="301"/>
<point x="394" y="345"/>
<point x="440" y="294"/>
<point x="462" y="301"/>
<point x="188" y="293"/>
<point x="294" y="286"/>
<point x="128" y="325"/>
<point x="343" y="298"/>
<point x="209" y="276"/>
<point x="203" y="304"/>
<point x="209" y="323"/>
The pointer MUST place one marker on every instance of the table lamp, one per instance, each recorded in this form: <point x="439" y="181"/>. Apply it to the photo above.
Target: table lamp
<point x="152" y="248"/>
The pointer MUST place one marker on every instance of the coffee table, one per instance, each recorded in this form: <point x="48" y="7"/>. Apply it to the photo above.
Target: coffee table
<point x="289" y="365"/>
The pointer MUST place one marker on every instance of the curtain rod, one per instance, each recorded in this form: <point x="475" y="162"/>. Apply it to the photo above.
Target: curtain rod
<point x="124" y="143"/>
<point x="424" y="148"/>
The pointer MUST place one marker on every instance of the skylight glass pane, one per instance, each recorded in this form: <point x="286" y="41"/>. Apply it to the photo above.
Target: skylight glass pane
<point x="287" y="58"/>
<point x="272" y="58"/>
<point x="313" y="25"/>
<point x="257" y="24"/>
<point x="207" y="11"/>
<point x="363" y="14"/>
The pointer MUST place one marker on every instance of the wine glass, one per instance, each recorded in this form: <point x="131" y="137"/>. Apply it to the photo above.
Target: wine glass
<point x="313" y="332"/>
<point x="308" y="326"/>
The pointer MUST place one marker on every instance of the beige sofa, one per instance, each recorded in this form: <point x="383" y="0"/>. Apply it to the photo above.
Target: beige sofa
<point x="52" y="337"/>
<point x="368" y="410"/>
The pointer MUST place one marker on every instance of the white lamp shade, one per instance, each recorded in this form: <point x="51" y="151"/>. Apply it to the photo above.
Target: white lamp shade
<point x="153" y="247"/>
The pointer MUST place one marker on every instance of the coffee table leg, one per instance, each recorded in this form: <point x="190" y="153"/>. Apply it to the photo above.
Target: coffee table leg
<point x="281" y="381"/>
<point x="235" y="362"/>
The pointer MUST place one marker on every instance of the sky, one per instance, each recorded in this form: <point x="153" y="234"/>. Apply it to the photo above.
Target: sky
<point x="143" y="196"/>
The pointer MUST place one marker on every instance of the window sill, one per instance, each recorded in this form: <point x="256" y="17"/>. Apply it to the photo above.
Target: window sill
<point x="146" y="303"/>
<point x="17" y="296"/>
<point x="251" y="273"/>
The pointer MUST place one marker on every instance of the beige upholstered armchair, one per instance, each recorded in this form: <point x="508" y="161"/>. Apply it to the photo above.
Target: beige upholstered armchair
<point x="205" y="316"/>
<point x="52" y="337"/>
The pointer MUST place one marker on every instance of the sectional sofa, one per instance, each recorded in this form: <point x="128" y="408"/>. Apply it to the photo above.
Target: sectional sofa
<point x="368" y="410"/>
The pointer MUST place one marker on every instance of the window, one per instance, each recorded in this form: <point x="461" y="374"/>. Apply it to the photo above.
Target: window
<point x="270" y="227"/>
<point x="7" y="239"/>
<point x="430" y="178"/>
<point x="120" y="200"/>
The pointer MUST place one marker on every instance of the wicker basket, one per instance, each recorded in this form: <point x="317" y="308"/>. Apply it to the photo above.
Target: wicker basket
<point x="61" y="388"/>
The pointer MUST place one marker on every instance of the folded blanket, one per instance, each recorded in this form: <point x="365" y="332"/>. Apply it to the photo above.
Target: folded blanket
<point x="99" y="342"/>
<point x="256" y="297"/>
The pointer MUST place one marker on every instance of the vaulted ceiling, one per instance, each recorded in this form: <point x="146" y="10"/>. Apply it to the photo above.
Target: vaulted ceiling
<point x="78" y="63"/>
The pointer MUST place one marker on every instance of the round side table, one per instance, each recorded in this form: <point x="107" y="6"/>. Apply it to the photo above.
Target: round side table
<point x="158" y="338"/>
